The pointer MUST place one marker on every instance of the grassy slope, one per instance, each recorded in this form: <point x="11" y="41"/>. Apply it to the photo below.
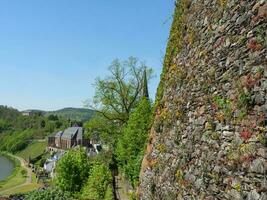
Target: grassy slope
<point x="9" y="185"/>
<point x="33" y="150"/>
<point x="24" y="188"/>
<point x="16" y="178"/>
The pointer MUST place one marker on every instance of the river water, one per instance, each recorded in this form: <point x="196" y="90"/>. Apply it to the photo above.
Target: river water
<point x="6" y="167"/>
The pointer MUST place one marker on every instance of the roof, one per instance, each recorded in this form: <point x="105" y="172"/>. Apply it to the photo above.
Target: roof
<point x="80" y="133"/>
<point x="69" y="133"/>
<point x="57" y="134"/>
<point x="49" y="166"/>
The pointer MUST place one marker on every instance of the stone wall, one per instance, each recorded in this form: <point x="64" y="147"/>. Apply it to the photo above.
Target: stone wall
<point x="208" y="140"/>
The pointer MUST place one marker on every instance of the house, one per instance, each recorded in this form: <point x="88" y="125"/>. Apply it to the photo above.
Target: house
<point x="50" y="164"/>
<point x="68" y="138"/>
<point x="27" y="113"/>
<point x="32" y="112"/>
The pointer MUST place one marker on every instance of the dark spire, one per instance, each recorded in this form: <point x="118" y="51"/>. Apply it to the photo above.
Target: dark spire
<point x="145" y="87"/>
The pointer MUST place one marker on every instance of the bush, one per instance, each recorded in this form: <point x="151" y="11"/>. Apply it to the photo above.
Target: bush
<point x="98" y="184"/>
<point x="49" y="194"/>
<point x="109" y="194"/>
<point x="23" y="172"/>
<point x="131" y="144"/>
<point x="73" y="170"/>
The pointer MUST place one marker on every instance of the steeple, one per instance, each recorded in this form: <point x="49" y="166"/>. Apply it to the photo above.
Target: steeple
<point x="145" y="86"/>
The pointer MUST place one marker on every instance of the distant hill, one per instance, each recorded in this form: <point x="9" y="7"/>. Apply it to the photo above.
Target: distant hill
<point x="78" y="114"/>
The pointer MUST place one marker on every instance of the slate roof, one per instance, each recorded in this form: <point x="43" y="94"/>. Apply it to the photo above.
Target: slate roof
<point x="59" y="134"/>
<point x="80" y="133"/>
<point x="69" y="133"/>
<point x="50" y="166"/>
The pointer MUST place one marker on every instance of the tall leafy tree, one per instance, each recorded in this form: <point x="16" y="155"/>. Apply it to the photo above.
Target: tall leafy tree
<point x="101" y="125"/>
<point x="119" y="93"/>
<point x="99" y="183"/>
<point x="73" y="169"/>
<point x="48" y="194"/>
<point x="131" y="144"/>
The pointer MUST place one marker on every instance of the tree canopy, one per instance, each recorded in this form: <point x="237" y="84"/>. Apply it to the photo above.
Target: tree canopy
<point x="17" y="131"/>
<point x="72" y="170"/>
<point x="119" y="93"/>
<point x="131" y="144"/>
<point x="98" y="186"/>
<point x="49" y="194"/>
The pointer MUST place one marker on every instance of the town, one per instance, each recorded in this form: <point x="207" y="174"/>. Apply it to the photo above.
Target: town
<point x="57" y="145"/>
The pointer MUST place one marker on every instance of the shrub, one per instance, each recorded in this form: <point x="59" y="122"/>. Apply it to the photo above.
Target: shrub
<point x="73" y="169"/>
<point x="98" y="184"/>
<point x="131" y="144"/>
<point x="48" y="194"/>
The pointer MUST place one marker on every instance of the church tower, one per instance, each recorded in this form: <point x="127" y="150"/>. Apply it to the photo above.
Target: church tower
<point x="145" y="86"/>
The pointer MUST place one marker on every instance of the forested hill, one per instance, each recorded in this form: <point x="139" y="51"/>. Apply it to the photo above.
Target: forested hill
<point x="16" y="130"/>
<point x="11" y="118"/>
<point x="76" y="114"/>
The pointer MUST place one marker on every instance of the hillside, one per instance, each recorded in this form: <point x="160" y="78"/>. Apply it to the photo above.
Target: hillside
<point x="17" y="131"/>
<point x="208" y="139"/>
<point x="77" y="114"/>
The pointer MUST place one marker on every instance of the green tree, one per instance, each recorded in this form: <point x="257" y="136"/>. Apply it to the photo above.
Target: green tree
<point x="49" y="194"/>
<point x="73" y="170"/>
<point x="104" y="128"/>
<point x="98" y="184"/>
<point x="3" y="125"/>
<point x="119" y="93"/>
<point x="53" y="117"/>
<point x="130" y="147"/>
<point x="109" y="194"/>
<point x="42" y="123"/>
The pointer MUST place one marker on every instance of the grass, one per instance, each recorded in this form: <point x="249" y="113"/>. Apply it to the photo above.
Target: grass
<point x="33" y="150"/>
<point x="11" y="185"/>
<point x="16" y="178"/>
<point x="24" y="188"/>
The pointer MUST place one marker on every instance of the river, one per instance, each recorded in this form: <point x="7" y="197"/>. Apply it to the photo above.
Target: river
<point x="6" y="167"/>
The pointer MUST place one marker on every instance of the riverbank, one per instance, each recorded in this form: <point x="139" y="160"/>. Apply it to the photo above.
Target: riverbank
<point x="21" y="180"/>
<point x="18" y="174"/>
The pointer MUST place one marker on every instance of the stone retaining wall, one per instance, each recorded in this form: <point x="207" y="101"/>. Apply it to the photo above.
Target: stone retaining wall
<point x="208" y="140"/>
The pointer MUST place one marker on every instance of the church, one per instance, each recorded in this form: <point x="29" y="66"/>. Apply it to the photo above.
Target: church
<point x="69" y="138"/>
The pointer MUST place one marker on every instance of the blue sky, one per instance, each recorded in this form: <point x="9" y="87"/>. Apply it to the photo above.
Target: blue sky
<point x="51" y="51"/>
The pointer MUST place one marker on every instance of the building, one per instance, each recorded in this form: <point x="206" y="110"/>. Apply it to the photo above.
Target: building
<point x="27" y="113"/>
<point x="50" y="164"/>
<point x="32" y="112"/>
<point x="68" y="138"/>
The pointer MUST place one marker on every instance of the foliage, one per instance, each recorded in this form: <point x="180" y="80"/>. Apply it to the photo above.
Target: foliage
<point x="174" y="45"/>
<point x="53" y="117"/>
<point x="74" y="114"/>
<point x="105" y="129"/>
<point x="98" y="184"/>
<point x="224" y="105"/>
<point x="119" y="93"/>
<point x="3" y="125"/>
<point x="33" y="150"/>
<point x="48" y="194"/>
<point x="16" y="141"/>
<point x="17" y="131"/>
<point x="223" y="3"/>
<point x="73" y="170"/>
<point x="109" y="194"/>
<point x="244" y="100"/>
<point x="133" y="196"/>
<point x="131" y="144"/>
